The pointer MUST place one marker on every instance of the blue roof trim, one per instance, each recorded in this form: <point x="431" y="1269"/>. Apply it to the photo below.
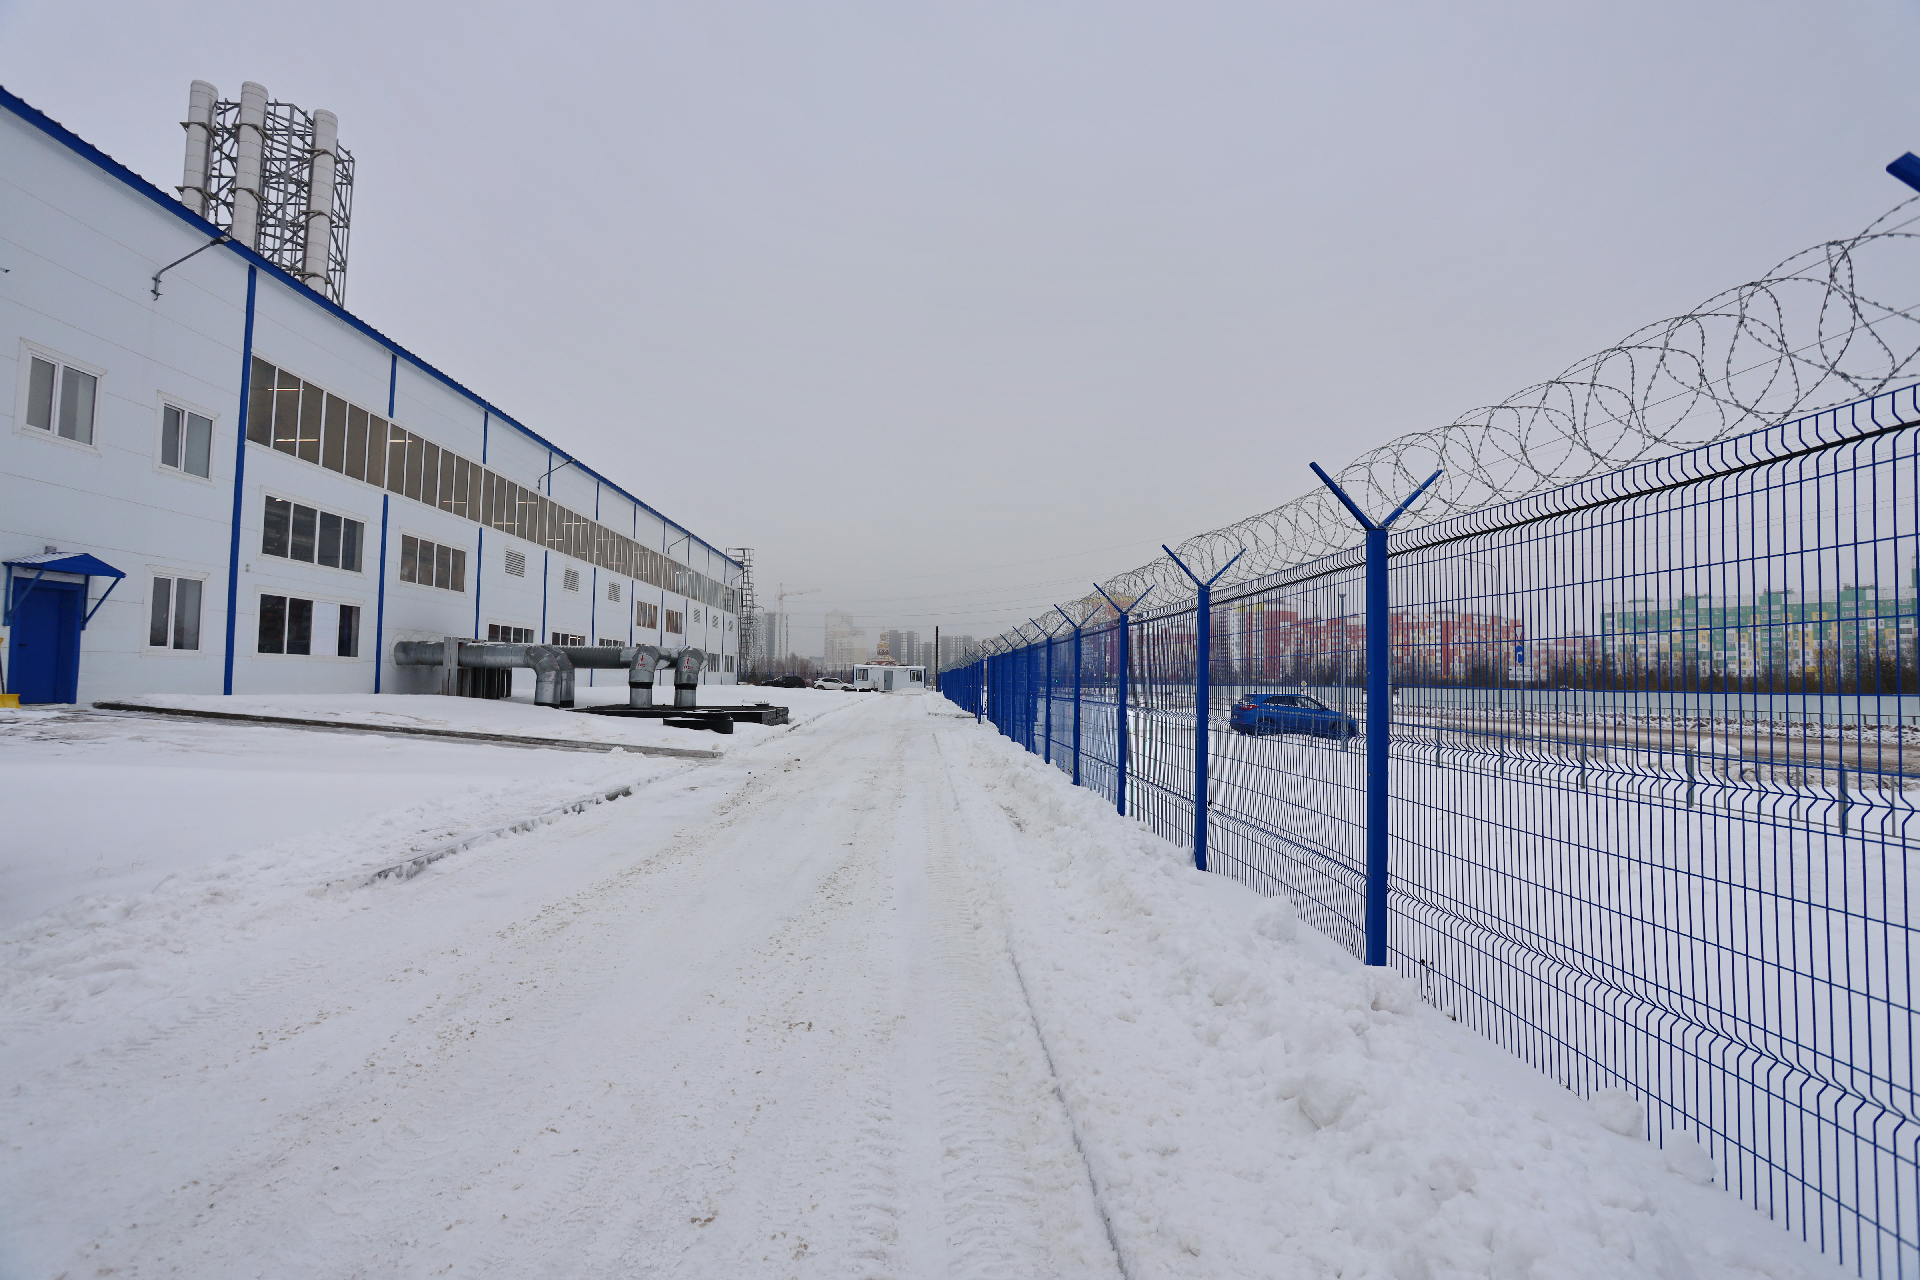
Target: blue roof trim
<point x="67" y="562"/>
<point x="101" y="160"/>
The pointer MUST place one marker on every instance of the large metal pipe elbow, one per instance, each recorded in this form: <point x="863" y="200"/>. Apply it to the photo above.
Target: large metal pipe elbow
<point x="553" y="676"/>
<point x="646" y="662"/>
<point x="687" y="665"/>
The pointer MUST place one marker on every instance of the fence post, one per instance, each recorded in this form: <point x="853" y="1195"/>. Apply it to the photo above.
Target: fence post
<point x="1076" y="695"/>
<point x="1120" y="787"/>
<point x="1379" y="709"/>
<point x="1202" y="698"/>
<point x="1047" y="693"/>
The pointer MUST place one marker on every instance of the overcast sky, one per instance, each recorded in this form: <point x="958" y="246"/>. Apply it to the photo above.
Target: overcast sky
<point x="949" y="309"/>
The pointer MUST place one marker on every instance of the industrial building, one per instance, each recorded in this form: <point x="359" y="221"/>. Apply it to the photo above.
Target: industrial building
<point x="216" y="479"/>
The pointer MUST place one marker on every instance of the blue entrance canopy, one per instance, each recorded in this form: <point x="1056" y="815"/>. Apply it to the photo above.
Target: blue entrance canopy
<point x="67" y="562"/>
<point x="76" y="562"/>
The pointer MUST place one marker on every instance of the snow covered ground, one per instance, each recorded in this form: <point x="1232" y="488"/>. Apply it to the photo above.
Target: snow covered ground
<point x="875" y="995"/>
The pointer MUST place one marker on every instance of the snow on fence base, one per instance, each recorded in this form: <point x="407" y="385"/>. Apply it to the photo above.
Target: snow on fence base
<point x="1652" y="800"/>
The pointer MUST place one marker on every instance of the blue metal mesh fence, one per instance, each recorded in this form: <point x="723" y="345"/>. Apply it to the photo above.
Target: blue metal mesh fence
<point x="1649" y="797"/>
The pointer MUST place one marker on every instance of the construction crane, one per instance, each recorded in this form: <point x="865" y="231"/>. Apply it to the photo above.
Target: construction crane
<point x="780" y="597"/>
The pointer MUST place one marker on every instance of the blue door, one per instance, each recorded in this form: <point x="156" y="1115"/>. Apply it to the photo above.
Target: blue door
<point x="43" y="662"/>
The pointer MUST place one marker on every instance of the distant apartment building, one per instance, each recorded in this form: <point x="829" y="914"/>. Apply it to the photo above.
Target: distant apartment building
<point x="955" y="650"/>
<point x="908" y="649"/>
<point x="843" y="642"/>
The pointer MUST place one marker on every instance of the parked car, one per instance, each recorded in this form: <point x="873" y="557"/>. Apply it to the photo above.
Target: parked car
<point x="1291" y="713"/>
<point x="785" y="682"/>
<point x="829" y="682"/>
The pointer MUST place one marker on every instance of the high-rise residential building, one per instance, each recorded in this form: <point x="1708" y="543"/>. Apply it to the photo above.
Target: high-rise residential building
<point x="956" y="649"/>
<point x="906" y="648"/>
<point x="843" y="647"/>
<point x="773" y="639"/>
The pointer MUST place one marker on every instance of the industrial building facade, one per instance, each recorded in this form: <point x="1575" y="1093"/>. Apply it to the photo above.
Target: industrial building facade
<point x="282" y="491"/>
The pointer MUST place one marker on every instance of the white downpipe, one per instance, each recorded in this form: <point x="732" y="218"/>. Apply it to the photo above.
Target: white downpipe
<point x="326" y="140"/>
<point x="249" y="148"/>
<point x="201" y="100"/>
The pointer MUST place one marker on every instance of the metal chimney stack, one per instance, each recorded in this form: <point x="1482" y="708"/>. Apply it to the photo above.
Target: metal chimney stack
<point x="275" y="177"/>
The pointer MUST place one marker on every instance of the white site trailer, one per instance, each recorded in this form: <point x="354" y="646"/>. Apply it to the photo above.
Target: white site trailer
<point x="890" y="679"/>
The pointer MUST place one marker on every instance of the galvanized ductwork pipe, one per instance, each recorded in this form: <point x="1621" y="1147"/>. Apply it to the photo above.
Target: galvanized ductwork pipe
<point x="686" y="676"/>
<point x="552" y="670"/>
<point x="554" y="665"/>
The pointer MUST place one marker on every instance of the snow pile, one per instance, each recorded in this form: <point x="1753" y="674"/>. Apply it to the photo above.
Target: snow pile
<point x="94" y="955"/>
<point x="1255" y="1103"/>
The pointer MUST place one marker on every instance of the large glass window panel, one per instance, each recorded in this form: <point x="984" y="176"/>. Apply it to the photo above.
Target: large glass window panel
<point x="273" y="624"/>
<point x="462" y="478"/>
<point x="522" y="510"/>
<point x="376" y="451"/>
<point x="313" y="406"/>
<point x="415" y="451"/>
<point x="169" y="436"/>
<point x="162" y="612"/>
<point x="483" y="482"/>
<point x="396" y="458"/>
<point x="327" y="551"/>
<point x="333" y="443"/>
<point x="197" y="454"/>
<point x="186" y="613"/>
<point x="429" y="474"/>
<point x="260" y="402"/>
<point x="301" y="544"/>
<point x="457" y="570"/>
<point x="40" y="393"/>
<point x="356" y="459"/>
<point x="347" y="640"/>
<point x="443" y="567"/>
<point x="76" y="405"/>
<point x="286" y="414"/>
<point x="300" y="626"/>
<point x="276" y="527"/>
<point x="409" y="558"/>
<point x="352" y="534"/>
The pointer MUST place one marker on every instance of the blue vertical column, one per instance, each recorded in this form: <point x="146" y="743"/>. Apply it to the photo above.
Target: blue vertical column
<point x="1379" y="710"/>
<point x="1126" y="663"/>
<point x="1076" y="706"/>
<point x="1379" y="727"/>
<point x="1202" y="701"/>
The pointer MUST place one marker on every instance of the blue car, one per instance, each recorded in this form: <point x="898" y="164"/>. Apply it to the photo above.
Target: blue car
<point x="1291" y="713"/>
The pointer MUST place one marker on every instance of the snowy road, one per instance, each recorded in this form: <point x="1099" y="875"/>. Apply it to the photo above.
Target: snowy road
<point x="851" y="1001"/>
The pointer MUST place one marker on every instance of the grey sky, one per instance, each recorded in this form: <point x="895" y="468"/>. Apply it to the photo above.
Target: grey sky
<point x="948" y="309"/>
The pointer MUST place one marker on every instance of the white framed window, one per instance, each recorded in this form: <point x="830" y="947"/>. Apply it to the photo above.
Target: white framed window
<point x="645" y="615"/>
<point x="516" y="563"/>
<point x="173" y="612"/>
<point x="509" y="633"/>
<point x="675" y="624"/>
<point x="186" y="440"/>
<point x="568" y="640"/>
<point x="570" y="579"/>
<point x="613" y="592"/>
<point x="59" y="396"/>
